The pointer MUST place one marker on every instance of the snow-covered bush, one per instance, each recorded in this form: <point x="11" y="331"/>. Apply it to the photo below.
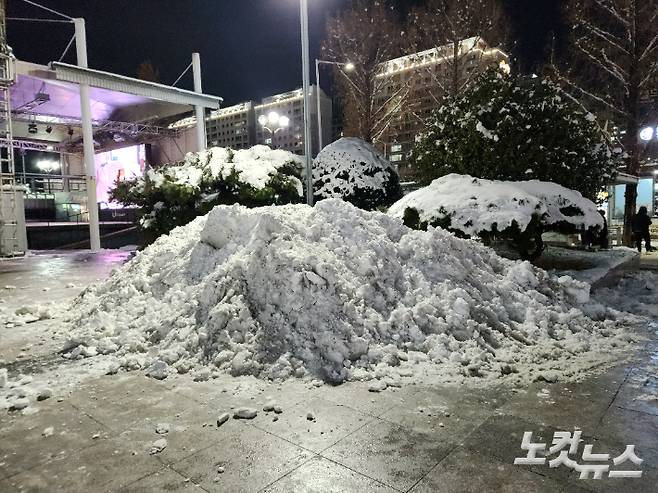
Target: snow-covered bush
<point x="506" y="128"/>
<point x="177" y="193"/>
<point x="515" y="212"/>
<point x="352" y="170"/>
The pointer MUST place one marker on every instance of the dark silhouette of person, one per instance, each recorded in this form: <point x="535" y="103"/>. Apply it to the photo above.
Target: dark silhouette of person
<point x="603" y="239"/>
<point x="641" y="223"/>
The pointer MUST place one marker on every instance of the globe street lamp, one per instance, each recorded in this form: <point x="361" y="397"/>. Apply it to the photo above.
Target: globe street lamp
<point x="273" y="122"/>
<point x="348" y="67"/>
<point x="647" y="134"/>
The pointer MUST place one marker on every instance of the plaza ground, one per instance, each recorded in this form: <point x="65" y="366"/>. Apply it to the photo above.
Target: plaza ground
<point x="419" y="438"/>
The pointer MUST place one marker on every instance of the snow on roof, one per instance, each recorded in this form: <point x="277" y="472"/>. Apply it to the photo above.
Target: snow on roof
<point x="475" y="204"/>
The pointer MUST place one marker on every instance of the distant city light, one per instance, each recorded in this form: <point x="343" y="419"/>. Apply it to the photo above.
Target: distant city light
<point x="646" y="133"/>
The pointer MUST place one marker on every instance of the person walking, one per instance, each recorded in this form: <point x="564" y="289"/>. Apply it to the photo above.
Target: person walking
<point x="641" y="223"/>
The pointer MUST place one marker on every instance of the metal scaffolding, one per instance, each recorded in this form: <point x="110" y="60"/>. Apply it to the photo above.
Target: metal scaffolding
<point x="9" y="227"/>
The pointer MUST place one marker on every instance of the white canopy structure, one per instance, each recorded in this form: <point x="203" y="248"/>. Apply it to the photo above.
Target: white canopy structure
<point x="74" y="109"/>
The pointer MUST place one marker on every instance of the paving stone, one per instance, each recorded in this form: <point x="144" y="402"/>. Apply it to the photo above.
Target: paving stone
<point x="187" y="435"/>
<point x="639" y="392"/>
<point x="320" y="475"/>
<point x="395" y="455"/>
<point x="464" y="472"/>
<point x="332" y="422"/>
<point x="23" y="446"/>
<point x="164" y="480"/>
<point x="107" y="465"/>
<point x="251" y="459"/>
<point x="566" y="406"/>
<point x="444" y="413"/>
<point x="119" y="410"/>
<point x="357" y="396"/>
<point x="630" y="427"/>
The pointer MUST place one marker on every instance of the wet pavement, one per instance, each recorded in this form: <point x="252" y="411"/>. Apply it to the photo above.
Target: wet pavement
<point x="415" y="438"/>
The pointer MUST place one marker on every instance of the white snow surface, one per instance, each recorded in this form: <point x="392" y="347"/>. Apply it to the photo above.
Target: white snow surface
<point x="347" y="165"/>
<point x="338" y="293"/>
<point x="255" y="165"/>
<point x="475" y="204"/>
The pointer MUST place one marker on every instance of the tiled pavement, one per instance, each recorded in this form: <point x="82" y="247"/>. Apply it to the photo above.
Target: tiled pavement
<point x="417" y="438"/>
<point x="429" y="439"/>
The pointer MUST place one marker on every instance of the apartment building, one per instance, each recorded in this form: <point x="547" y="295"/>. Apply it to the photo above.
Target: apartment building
<point x="421" y="80"/>
<point x="234" y="126"/>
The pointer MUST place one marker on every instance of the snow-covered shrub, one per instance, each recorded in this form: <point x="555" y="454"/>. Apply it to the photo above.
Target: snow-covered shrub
<point x="352" y="170"/>
<point x="177" y="193"/>
<point x="506" y="128"/>
<point x="515" y="212"/>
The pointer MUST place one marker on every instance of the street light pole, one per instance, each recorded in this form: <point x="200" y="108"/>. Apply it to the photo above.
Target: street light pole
<point x="308" y="145"/>
<point x="317" y="95"/>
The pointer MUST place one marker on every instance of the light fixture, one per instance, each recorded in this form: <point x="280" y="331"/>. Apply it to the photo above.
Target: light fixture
<point x="47" y="166"/>
<point x="273" y="117"/>
<point x="284" y="121"/>
<point x="646" y="133"/>
<point x="32" y="128"/>
<point x="49" y="129"/>
<point x="50" y="148"/>
<point x="262" y="119"/>
<point x="349" y="66"/>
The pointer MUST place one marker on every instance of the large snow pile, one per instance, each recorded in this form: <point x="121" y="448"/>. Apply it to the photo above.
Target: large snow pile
<point x="474" y="205"/>
<point x="353" y="170"/>
<point x="338" y="293"/>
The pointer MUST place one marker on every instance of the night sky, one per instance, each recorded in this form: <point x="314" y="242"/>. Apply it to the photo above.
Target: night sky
<point x="249" y="48"/>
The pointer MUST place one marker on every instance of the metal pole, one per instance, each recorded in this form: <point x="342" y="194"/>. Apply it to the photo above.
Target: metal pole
<point x="308" y="145"/>
<point x="87" y="139"/>
<point x="200" y="114"/>
<point x="317" y="91"/>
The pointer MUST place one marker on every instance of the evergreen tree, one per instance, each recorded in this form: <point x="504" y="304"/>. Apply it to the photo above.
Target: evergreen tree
<point x="506" y="128"/>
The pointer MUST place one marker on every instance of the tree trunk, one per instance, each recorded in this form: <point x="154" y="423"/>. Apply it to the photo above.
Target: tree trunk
<point x="629" y="211"/>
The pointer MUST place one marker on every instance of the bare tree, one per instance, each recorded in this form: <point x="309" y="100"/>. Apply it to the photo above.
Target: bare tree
<point x="366" y="35"/>
<point x="612" y="68"/>
<point x="462" y="31"/>
<point x="147" y="71"/>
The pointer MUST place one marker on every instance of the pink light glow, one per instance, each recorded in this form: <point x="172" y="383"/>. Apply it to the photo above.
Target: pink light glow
<point x="117" y="165"/>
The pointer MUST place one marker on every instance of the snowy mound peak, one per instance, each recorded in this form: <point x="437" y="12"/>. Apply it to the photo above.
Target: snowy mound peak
<point x="353" y="170"/>
<point x="331" y="292"/>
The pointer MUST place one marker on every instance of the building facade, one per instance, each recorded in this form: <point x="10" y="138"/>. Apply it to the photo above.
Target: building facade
<point x="422" y="80"/>
<point x="233" y="127"/>
<point x="290" y="136"/>
<point x="276" y="121"/>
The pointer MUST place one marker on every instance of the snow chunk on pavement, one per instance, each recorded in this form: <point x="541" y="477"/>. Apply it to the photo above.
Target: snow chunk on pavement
<point x="231" y="292"/>
<point x="245" y="413"/>
<point x="158" y="446"/>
